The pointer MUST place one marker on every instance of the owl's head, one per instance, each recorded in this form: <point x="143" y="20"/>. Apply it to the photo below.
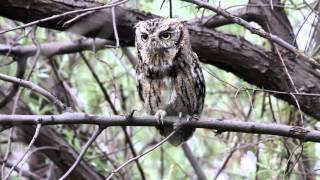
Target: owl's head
<point x="160" y="35"/>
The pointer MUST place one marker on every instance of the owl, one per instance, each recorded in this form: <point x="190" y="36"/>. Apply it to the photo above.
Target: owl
<point x="169" y="77"/>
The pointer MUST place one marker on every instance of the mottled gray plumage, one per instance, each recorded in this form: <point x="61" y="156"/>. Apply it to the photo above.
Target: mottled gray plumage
<point x="168" y="72"/>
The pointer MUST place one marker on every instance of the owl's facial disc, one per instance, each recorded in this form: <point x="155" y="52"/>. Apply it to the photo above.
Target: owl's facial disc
<point x="159" y="37"/>
<point x="159" y="41"/>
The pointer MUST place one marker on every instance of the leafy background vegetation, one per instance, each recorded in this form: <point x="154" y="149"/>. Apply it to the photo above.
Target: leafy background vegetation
<point x="222" y="102"/>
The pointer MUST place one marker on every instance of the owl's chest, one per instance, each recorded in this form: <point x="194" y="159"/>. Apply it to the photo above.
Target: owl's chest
<point x="163" y="91"/>
<point x="168" y="94"/>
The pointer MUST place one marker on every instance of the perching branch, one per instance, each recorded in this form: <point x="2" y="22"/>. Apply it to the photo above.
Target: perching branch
<point x="220" y="126"/>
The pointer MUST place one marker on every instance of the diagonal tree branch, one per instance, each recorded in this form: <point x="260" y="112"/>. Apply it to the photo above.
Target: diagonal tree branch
<point x="83" y="151"/>
<point x="255" y="11"/>
<point x="24" y="173"/>
<point x="114" y="110"/>
<point x="28" y="84"/>
<point x="254" y="30"/>
<point x="193" y="161"/>
<point x="141" y="155"/>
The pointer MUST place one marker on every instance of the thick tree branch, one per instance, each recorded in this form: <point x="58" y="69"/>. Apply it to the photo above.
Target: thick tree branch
<point x="219" y="125"/>
<point x="55" y="48"/>
<point x="273" y="20"/>
<point x="254" y="30"/>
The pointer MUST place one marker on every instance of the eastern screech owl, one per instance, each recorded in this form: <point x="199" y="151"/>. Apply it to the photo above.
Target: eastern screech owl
<point x="170" y="80"/>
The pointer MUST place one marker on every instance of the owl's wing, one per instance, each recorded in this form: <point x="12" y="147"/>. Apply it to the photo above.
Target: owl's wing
<point x="139" y="82"/>
<point x="199" y="84"/>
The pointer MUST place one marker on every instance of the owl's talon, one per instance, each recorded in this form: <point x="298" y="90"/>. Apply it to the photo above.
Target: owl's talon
<point x="194" y="118"/>
<point x="177" y="125"/>
<point x="160" y="115"/>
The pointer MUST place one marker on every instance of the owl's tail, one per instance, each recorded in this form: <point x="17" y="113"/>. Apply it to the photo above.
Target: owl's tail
<point x="179" y="137"/>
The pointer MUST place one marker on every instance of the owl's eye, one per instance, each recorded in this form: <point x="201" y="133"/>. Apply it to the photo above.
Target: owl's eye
<point x="165" y="35"/>
<point x="144" y="37"/>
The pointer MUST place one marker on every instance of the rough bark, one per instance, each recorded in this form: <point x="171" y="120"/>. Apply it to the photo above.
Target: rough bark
<point x="253" y="64"/>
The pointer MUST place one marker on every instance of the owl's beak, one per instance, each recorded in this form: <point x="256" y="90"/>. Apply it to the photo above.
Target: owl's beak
<point x="153" y="42"/>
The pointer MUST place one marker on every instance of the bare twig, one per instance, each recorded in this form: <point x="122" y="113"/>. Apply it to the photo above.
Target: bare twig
<point x="24" y="173"/>
<point x="130" y="70"/>
<point x="114" y="110"/>
<point x="8" y="152"/>
<point x="133" y="60"/>
<point x="242" y="88"/>
<point x="76" y="18"/>
<point x="83" y="151"/>
<point x="292" y="84"/>
<point x="226" y="160"/>
<point x="21" y="68"/>
<point x="114" y="24"/>
<point x="293" y="159"/>
<point x="34" y="63"/>
<point x="34" y="87"/>
<point x="26" y="151"/>
<point x="170" y="8"/>
<point x="141" y="155"/>
<point x="96" y="77"/>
